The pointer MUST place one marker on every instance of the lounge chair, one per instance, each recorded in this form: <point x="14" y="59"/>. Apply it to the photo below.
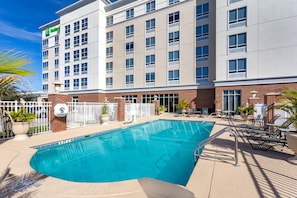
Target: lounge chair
<point x="191" y="112"/>
<point x="179" y="112"/>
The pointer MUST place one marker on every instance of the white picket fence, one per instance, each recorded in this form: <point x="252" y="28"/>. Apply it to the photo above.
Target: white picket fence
<point x="137" y="110"/>
<point x="40" y="125"/>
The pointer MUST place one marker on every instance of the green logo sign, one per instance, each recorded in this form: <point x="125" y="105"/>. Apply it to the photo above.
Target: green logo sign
<point x="48" y="31"/>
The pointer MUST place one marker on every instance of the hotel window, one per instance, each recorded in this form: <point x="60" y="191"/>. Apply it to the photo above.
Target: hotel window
<point x="129" y="64"/>
<point x="84" y="53"/>
<point x="67" y="70"/>
<point x="202" y="32"/>
<point x="150" y="79"/>
<point x="151" y="6"/>
<point x="84" y="38"/>
<point x="67" y="43"/>
<point x="201" y="74"/>
<point x="150" y="25"/>
<point x="237" y="43"/>
<point x="67" y="57"/>
<point x="173" y="18"/>
<point x="75" y="83"/>
<point x="130" y="13"/>
<point x="173" y="37"/>
<point x="76" y="41"/>
<point x="173" y="76"/>
<point x="45" y="88"/>
<point x="76" y="26"/>
<point x="84" y="83"/>
<point x="202" y="11"/>
<point x="45" y="65"/>
<point x="150" y="42"/>
<point x="109" y="20"/>
<point x="150" y="61"/>
<point x="45" y="43"/>
<point x="173" y="56"/>
<point x="45" y="54"/>
<point x="57" y="39"/>
<point x="109" y="67"/>
<point x="237" y="17"/>
<point x="76" y="55"/>
<point x="84" y="68"/>
<point x="202" y="53"/>
<point x="231" y="100"/>
<point x="237" y="68"/>
<point x="109" y="82"/>
<point x="84" y="24"/>
<point x="130" y="31"/>
<point x="66" y="84"/>
<point x="109" y="52"/>
<point x="234" y="1"/>
<point x="129" y="79"/>
<point x="56" y="74"/>
<point x="130" y="47"/>
<point x="56" y="63"/>
<point x="45" y="76"/>
<point x="109" y="37"/>
<point x="171" y="2"/>
<point x="56" y="51"/>
<point x="67" y="30"/>
<point x="76" y="69"/>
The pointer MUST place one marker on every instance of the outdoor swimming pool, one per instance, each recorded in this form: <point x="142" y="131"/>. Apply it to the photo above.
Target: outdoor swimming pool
<point x="161" y="149"/>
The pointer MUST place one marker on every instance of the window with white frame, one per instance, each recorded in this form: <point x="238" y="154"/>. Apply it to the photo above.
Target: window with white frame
<point x="237" y="68"/>
<point x="150" y="25"/>
<point x="56" y="51"/>
<point x="76" y="83"/>
<point x="56" y="63"/>
<point x="129" y="47"/>
<point x="202" y="11"/>
<point x="150" y="42"/>
<point x="130" y="13"/>
<point x="202" y="74"/>
<point x="173" y="37"/>
<point x="172" y="2"/>
<point x="109" y="67"/>
<point x="237" y="17"/>
<point x="129" y="79"/>
<point x="45" y="76"/>
<point x="67" y="57"/>
<point x="129" y="63"/>
<point x="109" y="37"/>
<point x="76" y="26"/>
<point x="45" y="65"/>
<point x="109" y="52"/>
<point x="84" y="38"/>
<point x="109" y="20"/>
<point x="56" y="75"/>
<point x="66" y="84"/>
<point x="202" y="53"/>
<point x="151" y="6"/>
<point x="84" y="53"/>
<point x="57" y="39"/>
<point x="76" y="41"/>
<point x="67" y="70"/>
<point x="202" y="32"/>
<point x="129" y="31"/>
<point x="109" y="82"/>
<point x="67" y="43"/>
<point x="173" y="75"/>
<point x="84" y="24"/>
<point x="76" y="55"/>
<point x="231" y="100"/>
<point x="150" y="78"/>
<point x="173" y="18"/>
<point x="45" y="54"/>
<point x="45" y="87"/>
<point x="84" y="83"/>
<point x="173" y="56"/>
<point x="45" y="43"/>
<point x="237" y="41"/>
<point x="67" y="30"/>
<point x="84" y="68"/>
<point x="150" y="60"/>
<point x="76" y="69"/>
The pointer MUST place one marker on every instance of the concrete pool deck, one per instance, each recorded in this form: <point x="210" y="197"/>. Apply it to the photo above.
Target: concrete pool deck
<point x="259" y="174"/>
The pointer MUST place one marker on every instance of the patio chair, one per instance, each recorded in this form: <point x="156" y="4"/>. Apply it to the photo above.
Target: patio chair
<point x="179" y="112"/>
<point x="191" y="112"/>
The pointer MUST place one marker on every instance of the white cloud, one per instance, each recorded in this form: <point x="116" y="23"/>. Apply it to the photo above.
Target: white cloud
<point x="18" y="33"/>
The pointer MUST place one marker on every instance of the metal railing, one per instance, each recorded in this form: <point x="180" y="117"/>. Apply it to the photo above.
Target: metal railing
<point x="199" y="148"/>
<point x="137" y="110"/>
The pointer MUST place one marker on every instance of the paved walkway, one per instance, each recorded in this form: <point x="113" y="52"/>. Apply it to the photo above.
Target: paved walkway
<point x="259" y="174"/>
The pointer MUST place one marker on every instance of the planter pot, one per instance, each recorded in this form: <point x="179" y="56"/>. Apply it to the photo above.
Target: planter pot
<point x="247" y="117"/>
<point x="20" y="129"/>
<point x="161" y="112"/>
<point x="292" y="144"/>
<point x="104" y="118"/>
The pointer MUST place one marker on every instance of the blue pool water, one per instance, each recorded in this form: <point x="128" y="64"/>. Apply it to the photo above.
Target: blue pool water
<point x="162" y="149"/>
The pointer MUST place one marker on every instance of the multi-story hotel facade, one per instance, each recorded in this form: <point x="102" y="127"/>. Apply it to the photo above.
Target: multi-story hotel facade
<point x="212" y="53"/>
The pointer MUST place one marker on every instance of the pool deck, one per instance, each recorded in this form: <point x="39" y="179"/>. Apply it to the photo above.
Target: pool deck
<point x="259" y="173"/>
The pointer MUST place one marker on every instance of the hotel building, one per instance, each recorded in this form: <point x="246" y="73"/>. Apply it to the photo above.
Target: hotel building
<point x="212" y="53"/>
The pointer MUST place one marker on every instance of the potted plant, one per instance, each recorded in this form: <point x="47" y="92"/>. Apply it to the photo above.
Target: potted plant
<point x="183" y="104"/>
<point x="104" y="116"/>
<point x="247" y="112"/>
<point x="288" y="103"/>
<point x="162" y="109"/>
<point x="20" y="120"/>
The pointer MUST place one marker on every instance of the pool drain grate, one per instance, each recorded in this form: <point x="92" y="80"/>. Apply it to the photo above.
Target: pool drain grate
<point x="22" y="184"/>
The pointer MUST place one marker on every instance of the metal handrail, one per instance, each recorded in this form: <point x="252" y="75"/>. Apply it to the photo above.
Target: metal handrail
<point x="213" y="137"/>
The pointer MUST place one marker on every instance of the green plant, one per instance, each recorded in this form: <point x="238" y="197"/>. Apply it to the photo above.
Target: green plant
<point x="247" y="109"/>
<point x="183" y="104"/>
<point x="21" y="115"/>
<point x="162" y="108"/>
<point x="104" y="110"/>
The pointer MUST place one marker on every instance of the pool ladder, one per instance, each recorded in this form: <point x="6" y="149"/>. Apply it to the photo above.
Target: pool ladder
<point x="198" y="150"/>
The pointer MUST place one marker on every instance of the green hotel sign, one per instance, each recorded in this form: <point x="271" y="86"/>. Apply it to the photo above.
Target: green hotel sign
<point x="48" y="31"/>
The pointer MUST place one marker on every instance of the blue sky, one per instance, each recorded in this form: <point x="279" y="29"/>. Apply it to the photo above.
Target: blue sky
<point x="19" y="30"/>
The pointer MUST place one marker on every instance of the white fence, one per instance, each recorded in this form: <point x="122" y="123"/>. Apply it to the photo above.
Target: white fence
<point x="137" y="110"/>
<point x="83" y="114"/>
<point x="40" y="125"/>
